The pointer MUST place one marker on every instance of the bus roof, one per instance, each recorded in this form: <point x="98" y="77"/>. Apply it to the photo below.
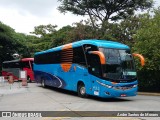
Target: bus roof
<point x="27" y="59"/>
<point x="11" y="61"/>
<point x="23" y="59"/>
<point x="98" y="43"/>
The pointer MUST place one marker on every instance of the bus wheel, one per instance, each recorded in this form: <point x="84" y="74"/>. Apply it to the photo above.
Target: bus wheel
<point x="43" y="83"/>
<point x="28" y="79"/>
<point x="82" y="91"/>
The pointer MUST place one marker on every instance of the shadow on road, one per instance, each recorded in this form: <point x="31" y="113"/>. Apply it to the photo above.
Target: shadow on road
<point x="109" y="99"/>
<point x="71" y="93"/>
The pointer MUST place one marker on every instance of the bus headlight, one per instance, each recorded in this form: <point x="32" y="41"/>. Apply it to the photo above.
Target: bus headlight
<point x="134" y="86"/>
<point x="105" y="85"/>
<point x="108" y="86"/>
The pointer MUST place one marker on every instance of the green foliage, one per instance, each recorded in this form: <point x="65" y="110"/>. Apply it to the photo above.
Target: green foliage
<point x="148" y="44"/>
<point x="148" y="40"/>
<point x="84" y="30"/>
<point x="10" y="43"/>
<point x="44" y="41"/>
<point x="122" y="32"/>
<point x="62" y="36"/>
<point x="104" y="10"/>
<point x="44" y="30"/>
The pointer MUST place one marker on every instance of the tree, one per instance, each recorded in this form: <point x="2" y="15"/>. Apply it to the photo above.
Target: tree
<point x="148" y="44"/>
<point x="122" y="31"/>
<point x="5" y="42"/>
<point x="79" y="30"/>
<point x="44" y="41"/>
<point x="32" y="43"/>
<point x="104" y="10"/>
<point x="10" y="44"/>
<point x="43" y="30"/>
<point x="84" y="30"/>
<point x="62" y="36"/>
<point x="148" y="40"/>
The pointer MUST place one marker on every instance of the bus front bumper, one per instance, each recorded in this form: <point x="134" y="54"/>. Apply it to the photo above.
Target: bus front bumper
<point x="125" y="90"/>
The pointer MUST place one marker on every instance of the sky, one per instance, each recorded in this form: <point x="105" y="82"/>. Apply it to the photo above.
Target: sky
<point x="24" y="15"/>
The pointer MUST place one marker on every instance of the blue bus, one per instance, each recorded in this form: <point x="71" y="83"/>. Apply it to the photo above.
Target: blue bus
<point x="89" y="67"/>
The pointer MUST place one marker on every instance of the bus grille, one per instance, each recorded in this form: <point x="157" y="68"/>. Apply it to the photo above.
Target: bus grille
<point x="122" y="88"/>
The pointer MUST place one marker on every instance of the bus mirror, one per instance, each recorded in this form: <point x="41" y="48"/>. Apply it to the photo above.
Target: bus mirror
<point x="100" y="54"/>
<point x="140" y="57"/>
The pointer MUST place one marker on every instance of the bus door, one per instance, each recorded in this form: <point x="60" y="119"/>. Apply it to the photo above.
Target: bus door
<point x="94" y="66"/>
<point x="27" y="66"/>
<point x="79" y="70"/>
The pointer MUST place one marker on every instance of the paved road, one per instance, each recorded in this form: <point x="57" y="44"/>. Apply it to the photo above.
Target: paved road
<point x="36" y="98"/>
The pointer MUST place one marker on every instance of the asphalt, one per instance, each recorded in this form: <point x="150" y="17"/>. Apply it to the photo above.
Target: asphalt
<point x="35" y="98"/>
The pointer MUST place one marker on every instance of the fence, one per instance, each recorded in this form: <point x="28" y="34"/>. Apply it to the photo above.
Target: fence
<point x="5" y="80"/>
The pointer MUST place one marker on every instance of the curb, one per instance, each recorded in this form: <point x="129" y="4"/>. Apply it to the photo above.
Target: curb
<point x="147" y="93"/>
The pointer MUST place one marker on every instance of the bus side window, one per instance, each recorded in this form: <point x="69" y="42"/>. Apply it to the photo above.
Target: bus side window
<point x="78" y="56"/>
<point x="93" y="61"/>
<point x="11" y="65"/>
<point x="14" y="65"/>
<point x="88" y="47"/>
<point x="5" y="65"/>
<point x="48" y="58"/>
<point x="94" y="65"/>
<point x="25" y="64"/>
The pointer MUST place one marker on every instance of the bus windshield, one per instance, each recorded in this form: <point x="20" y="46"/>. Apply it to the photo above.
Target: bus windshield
<point x="119" y="64"/>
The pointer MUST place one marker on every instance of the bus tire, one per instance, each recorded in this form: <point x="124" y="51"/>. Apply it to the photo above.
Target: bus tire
<point x="82" y="90"/>
<point x="43" y="83"/>
<point x="28" y="79"/>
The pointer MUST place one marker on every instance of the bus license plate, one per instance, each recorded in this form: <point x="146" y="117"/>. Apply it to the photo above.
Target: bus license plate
<point x="123" y="95"/>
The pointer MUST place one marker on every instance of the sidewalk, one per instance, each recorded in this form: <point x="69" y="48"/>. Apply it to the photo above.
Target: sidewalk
<point x="16" y="87"/>
<point x="149" y="93"/>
